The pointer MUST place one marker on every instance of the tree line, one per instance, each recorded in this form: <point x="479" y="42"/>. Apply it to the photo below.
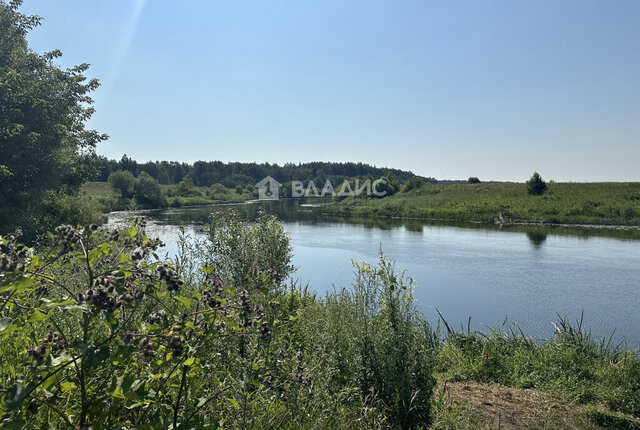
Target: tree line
<point x="232" y="174"/>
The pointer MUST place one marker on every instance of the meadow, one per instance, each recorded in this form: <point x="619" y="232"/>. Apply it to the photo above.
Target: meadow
<point x="103" y="194"/>
<point x="505" y="203"/>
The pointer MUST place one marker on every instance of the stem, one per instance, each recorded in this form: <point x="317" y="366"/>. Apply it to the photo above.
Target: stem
<point x="212" y="397"/>
<point x="176" y="408"/>
<point x="54" y="409"/>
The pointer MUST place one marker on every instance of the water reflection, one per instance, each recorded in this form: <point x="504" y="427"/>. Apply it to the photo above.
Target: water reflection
<point x="300" y="211"/>
<point x="489" y="272"/>
<point x="537" y="238"/>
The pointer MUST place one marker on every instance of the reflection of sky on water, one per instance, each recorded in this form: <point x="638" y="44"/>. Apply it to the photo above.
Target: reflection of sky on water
<point x="528" y="276"/>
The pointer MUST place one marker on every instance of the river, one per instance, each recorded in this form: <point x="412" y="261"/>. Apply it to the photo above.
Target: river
<point x="523" y="275"/>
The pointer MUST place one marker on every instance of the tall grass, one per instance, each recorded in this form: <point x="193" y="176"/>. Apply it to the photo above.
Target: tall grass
<point x="571" y="203"/>
<point x="572" y="364"/>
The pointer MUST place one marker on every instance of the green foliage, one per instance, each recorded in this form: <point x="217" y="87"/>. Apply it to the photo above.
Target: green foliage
<point x="378" y="342"/>
<point x="572" y="364"/>
<point x="124" y="182"/>
<point x="232" y="174"/>
<point x="535" y="185"/>
<point x="44" y="146"/>
<point x="147" y="191"/>
<point x="240" y="248"/>
<point x="93" y="329"/>
<point x="473" y="180"/>
<point x="389" y="185"/>
<point x="412" y="184"/>
<point x="185" y="187"/>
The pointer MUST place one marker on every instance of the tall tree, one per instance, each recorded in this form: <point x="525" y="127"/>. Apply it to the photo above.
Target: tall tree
<point x="44" y="145"/>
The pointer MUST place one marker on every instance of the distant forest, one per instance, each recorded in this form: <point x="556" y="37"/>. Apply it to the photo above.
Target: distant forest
<point x="207" y="173"/>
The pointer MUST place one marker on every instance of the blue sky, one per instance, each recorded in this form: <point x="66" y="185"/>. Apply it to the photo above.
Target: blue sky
<point x="495" y="89"/>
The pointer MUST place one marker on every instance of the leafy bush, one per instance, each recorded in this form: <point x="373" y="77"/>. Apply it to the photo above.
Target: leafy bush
<point x="147" y="190"/>
<point x="239" y="248"/>
<point x="185" y="187"/>
<point x="374" y="341"/>
<point x="94" y="332"/>
<point x="413" y="183"/>
<point x="124" y="182"/>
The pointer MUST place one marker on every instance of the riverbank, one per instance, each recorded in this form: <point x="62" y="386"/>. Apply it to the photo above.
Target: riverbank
<point x="570" y="204"/>
<point x="309" y="361"/>
<point x="104" y="196"/>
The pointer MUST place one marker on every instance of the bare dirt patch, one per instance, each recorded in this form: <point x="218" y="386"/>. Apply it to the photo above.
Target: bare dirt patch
<point x="500" y="407"/>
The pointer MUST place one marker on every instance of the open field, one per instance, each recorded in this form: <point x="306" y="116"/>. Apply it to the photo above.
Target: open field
<point x="563" y="203"/>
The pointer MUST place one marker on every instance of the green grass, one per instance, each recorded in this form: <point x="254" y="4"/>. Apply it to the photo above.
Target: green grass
<point x="103" y="195"/>
<point x="98" y="189"/>
<point x="571" y="365"/>
<point x="563" y="203"/>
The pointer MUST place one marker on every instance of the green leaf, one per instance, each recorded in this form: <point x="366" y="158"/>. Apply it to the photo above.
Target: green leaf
<point x="186" y="302"/>
<point x="132" y="231"/>
<point x="67" y="386"/>
<point x="94" y="357"/>
<point x="190" y="361"/>
<point x="235" y="404"/>
<point x="16" y="395"/>
<point x="20" y="284"/>
<point x="4" y="323"/>
<point x="57" y="361"/>
<point x="38" y="316"/>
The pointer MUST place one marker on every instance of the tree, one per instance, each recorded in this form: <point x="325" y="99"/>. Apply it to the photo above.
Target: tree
<point x="44" y="146"/>
<point x="124" y="182"/>
<point x="536" y="186"/>
<point x="473" y="180"/>
<point x="389" y="186"/>
<point x="185" y="187"/>
<point x="413" y="183"/>
<point x="147" y="190"/>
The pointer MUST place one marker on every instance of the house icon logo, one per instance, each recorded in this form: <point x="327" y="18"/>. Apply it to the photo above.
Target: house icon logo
<point x="268" y="189"/>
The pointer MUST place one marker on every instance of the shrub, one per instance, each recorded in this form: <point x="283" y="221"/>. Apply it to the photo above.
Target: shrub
<point x="238" y="248"/>
<point x="375" y="340"/>
<point x="413" y="183"/>
<point x="536" y="186"/>
<point x="185" y="187"/>
<point x="147" y="190"/>
<point x="473" y="180"/>
<point x="124" y="182"/>
<point x="93" y="331"/>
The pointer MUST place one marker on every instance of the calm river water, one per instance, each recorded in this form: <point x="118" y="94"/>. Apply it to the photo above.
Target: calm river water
<point x="528" y="276"/>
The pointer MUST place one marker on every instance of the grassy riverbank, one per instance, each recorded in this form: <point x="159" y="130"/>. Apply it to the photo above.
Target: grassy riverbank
<point x="563" y="203"/>
<point x="103" y="195"/>
<point x="92" y="330"/>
